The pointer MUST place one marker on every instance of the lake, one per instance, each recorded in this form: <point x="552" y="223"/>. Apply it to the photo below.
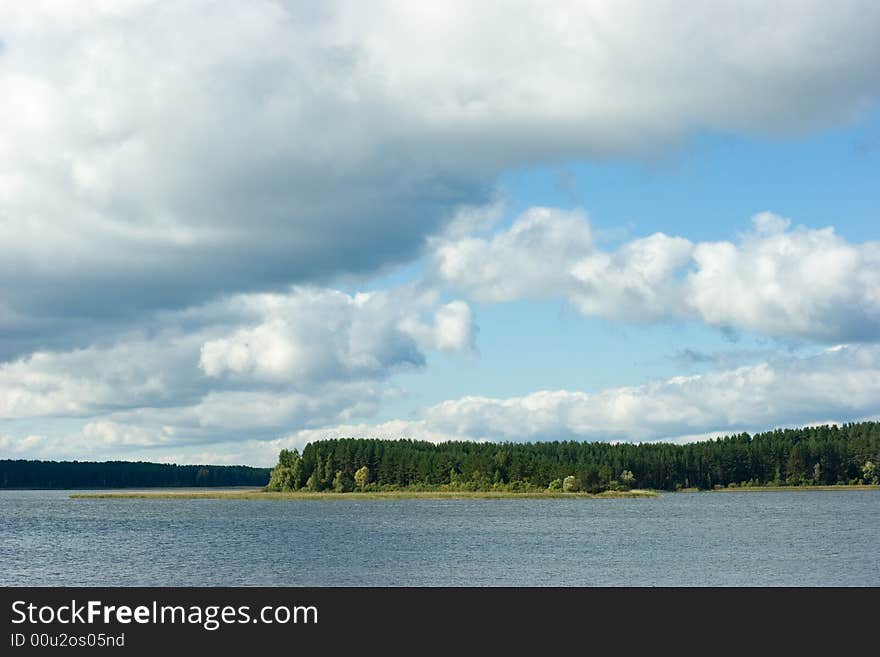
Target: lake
<point x="721" y="539"/>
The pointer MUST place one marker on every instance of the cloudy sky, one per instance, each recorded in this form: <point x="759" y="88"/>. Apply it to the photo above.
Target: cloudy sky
<point x="227" y="227"/>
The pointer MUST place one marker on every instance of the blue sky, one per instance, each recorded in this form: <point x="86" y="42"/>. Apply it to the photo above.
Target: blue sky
<point x="708" y="189"/>
<point x="629" y="222"/>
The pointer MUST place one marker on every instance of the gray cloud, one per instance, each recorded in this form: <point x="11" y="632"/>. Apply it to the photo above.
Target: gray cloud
<point x="250" y="366"/>
<point x="167" y="171"/>
<point x="155" y="156"/>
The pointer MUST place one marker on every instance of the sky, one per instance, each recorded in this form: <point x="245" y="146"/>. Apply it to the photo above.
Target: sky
<point x="230" y="228"/>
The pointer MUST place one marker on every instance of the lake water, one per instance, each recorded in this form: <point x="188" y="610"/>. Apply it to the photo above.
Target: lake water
<point x="785" y="538"/>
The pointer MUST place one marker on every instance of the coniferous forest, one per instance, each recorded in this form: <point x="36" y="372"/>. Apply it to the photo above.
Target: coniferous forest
<point x="823" y="455"/>
<point x="124" y="474"/>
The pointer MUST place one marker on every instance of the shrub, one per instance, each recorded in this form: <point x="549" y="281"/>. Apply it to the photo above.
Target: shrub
<point x="361" y="477"/>
<point x="571" y="484"/>
<point x="870" y="474"/>
<point x="341" y="483"/>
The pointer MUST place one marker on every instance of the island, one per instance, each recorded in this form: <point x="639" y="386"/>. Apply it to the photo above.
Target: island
<point x="809" y="458"/>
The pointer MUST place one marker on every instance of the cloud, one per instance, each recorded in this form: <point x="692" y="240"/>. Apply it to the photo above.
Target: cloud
<point x="636" y="282"/>
<point x="775" y="280"/>
<point x="525" y="261"/>
<point x="550" y="252"/>
<point x="233" y="415"/>
<point x="249" y="366"/>
<point x="314" y="335"/>
<point x="842" y="382"/>
<point x="181" y="185"/>
<point x="133" y="372"/>
<point x="805" y="283"/>
<point x="156" y="156"/>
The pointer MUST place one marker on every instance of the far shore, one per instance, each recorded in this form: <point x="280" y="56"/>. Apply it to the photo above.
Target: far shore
<point x="779" y="489"/>
<point x="260" y="494"/>
<point x="371" y="495"/>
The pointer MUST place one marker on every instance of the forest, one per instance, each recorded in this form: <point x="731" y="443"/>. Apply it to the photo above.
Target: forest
<point x="819" y="455"/>
<point x="124" y="474"/>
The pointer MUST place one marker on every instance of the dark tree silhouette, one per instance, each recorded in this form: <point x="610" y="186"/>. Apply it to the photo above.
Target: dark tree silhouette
<point x="124" y="474"/>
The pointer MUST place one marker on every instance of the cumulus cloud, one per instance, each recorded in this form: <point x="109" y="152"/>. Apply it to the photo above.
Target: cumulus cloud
<point x="156" y="155"/>
<point x="527" y="260"/>
<point x="552" y="252"/>
<point x="638" y="281"/>
<point x="234" y="415"/>
<point x="775" y="280"/>
<point x="838" y="384"/>
<point x="842" y="382"/>
<point x="313" y="335"/>
<point x="252" y="365"/>
<point x="806" y="283"/>
<point x="133" y="372"/>
<point x="168" y="171"/>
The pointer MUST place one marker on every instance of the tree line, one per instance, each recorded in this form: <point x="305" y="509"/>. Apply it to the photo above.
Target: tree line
<point x="820" y="455"/>
<point x="124" y="474"/>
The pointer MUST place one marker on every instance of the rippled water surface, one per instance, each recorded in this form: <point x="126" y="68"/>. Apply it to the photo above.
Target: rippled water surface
<point x="783" y="538"/>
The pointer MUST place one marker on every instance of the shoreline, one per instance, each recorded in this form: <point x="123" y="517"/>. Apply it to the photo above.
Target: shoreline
<point x="780" y="489"/>
<point x="258" y="494"/>
<point x="372" y="495"/>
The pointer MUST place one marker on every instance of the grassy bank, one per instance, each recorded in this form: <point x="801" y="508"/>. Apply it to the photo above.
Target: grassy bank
<point x="781" y="489"/>
<point x="384" y="495"/>
<point x="777" y="489"/>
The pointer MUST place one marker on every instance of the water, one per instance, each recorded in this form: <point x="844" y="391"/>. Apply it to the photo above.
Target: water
<point x="786" y="538"/>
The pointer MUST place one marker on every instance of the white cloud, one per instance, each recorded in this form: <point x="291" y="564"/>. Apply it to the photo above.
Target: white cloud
<point x="100" y="434"/>
<point x="454" y="327"/>
<point x="837" y="384"/>
<point x="841" y="383"/>
<point x="637" y="282"/>
<point x="453" y="330"/>
<point x="417" y="429"/>
<point x="529" y="259"/>
<point x="167" y="171"/>
<point x="133" y="372"/>
<point x="234" y="415"/>
<point x="550" y="252"/>
<point x="314" y="335"/>
<point x="84" y="445"/>
<point x="805" y="283"/>
<point x="248" y="367"/>
<point x="156" y="155"/>
<point x="775" y="280"/>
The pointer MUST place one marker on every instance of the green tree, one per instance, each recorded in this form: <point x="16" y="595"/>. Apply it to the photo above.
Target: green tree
<point x="328" y="471"/>
<point x="870" y="474"/>
<point x="287" y="474"/>
<point x="780" y="456"/>
<point x="279" y="479"/>
<point x="361" y="477"/>
<point x="339" y="482"/>
<point x="571" y="484"/>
